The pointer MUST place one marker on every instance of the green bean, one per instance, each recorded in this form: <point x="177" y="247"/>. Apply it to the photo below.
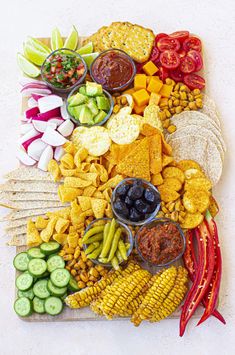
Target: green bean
<point x="114" y="263"/>
<point x="96" y="252"/>
<point x="95" y="238"/>
<point x="108" y="241"/>
<point x="114" y="245"/>
<point x="119" y="256"/>
<point x="122" y="249"/>
<point x="91" y="247"/>
<point x="91" y="232"/>
<point x="106" y="230"/>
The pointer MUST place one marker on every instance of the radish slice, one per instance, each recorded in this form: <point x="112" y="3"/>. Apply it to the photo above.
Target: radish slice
<point x="63" y="112"/>
<point x="24" y="81"/>
<point x="24" y="128"/>
<point x="34" y="86"/>
<point x="41" y="126"/>
<point x="37" y="97"/>
<point x="29" y="92"/>
<point x="53" y="138"/>
<point x="46" y="156"/>
<point x="30" y="134"/>
<point x="47" y="115"/>
<point x="49" y="102"/>
<point x="58" y="121"/>
<point x="36" y="149"/>
<point x="31" y="112"/>
<point x="24" y="119"/>
<point x="27" y="143"/>
<point x="59" y="152"/>
<point x="32" y="103"/>
<point x="66" y="128"/>
<point x="24" y="158"/>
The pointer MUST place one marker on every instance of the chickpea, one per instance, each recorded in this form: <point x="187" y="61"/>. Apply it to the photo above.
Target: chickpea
<point x="77" y="278"/>
<point x="71" y="262"/>
<point x="123" y="100"/>
<point x="183" y="95"/>
<point x="183" y="88"/>
<point x="168" y="81"/>
<point x="77" y="253"/>
<point x="192" y="106"/>
<point x="199" y="103"/>
<point x="176" y="102"/>
<point x="171" y="128"/>
<point x="116" y="108"/>
<point x="81" y="284"/>
<point x="196" y="91"/>
<point x="177" y="86"/>
<point x="168" y="114"/>
<point x="81" y="264"/>
<point x="172" y="110"/>
<point x="84" y="277"/>
<point x="170" y="103"/>
<point x="178" y="109"/>
<point x="166" y="123"/>
<point x="89" y="263"/>
<point x="73" y="272"/>
<point x="162" y="116"/>
<point x="68" y="257"/>
<point x="89" y="283"/>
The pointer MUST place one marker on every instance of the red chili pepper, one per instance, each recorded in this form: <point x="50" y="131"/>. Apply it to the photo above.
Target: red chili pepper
<point x="206" y="261"/>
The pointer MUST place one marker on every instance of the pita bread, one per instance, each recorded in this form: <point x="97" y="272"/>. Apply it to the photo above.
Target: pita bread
<point x="28" y="213"/>
<point x="209" y="108"/>
<point x="18" y="240"/>
<point x="28" y="173"/>
<point x="185" y="117"/>
<point x="214" y="163"/>
<point x="17" y="231"/>
<point x="28" y="196"/>
<point x="31" y="205"/>
<point x="29" y="186"/>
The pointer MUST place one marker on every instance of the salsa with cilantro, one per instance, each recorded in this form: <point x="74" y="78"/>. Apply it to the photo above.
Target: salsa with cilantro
<point x="63" y="70"/>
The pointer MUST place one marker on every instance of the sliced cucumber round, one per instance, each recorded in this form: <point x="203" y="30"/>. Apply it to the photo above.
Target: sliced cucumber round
<point x="21" y="261"/>
<point x="24" y="281"/>
<point x="40" y="289"/>
<point x="56" y="291"/>
<point x="50" y="248"/>
<point x="73" y="285"/>
<point x="35" y="253"/>
<point x="38" y="305"/>
<point x="37" y="267"/>
<point x="53" y="305"/>
<point x="23" y="307"/>
<point x="55" y="262"/>
<point x="29" y="293"/>
<point x="60" y="277"/>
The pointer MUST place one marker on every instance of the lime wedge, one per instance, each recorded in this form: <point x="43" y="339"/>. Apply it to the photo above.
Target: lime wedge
<point x="34" y="55"/>
<point x="56" y="39"/>
<point x="89" y="58"/>
<point x="27" y="67"/>
<point x="87" y="49"/>
<point x="71" y="41"/>
<point x="33" y="42"/>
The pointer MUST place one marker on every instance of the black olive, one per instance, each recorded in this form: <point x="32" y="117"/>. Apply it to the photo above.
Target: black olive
<point x="122" y="190"/>
<point x="128" y="201"/>
<point x="138" y="182"/>
<point x="151" y="196"/>
<point x="121" y="208"/>
<point x="141" y="206"/>
<point x="135" y="216"/>
<point x="135" y="192"/>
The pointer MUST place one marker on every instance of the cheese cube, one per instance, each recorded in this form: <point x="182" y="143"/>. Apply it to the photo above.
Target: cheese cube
<point x="166" y="90"/>
<point x="154" y="98"/>
<point x="150" y="68"/>
<point x="140" y="81"/>
<point x="129" y="91"/>
<point x="141" y="97"/>
<point x="155" y="85"/>
<point x="139" y="109"/>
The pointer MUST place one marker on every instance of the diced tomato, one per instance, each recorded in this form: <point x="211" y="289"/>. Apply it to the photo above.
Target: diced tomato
<point x="154" y="55"/>
<point x="177" y="75"/>
<point x="80" y="66"/>
<point x="192" y="43"/>
<point x="53" y="69"/>
<point x="181" y="53"/>
<point x="59" y="65"/>
<point x="167" y="43"/>
<point x="194" y="81"/>
<point x="180" y="35"/>
<point x="170" y="59"/>
<point x="187" y="65"/>
<point x="196" y="56"/>
<point x="160" y="35"/>
<point x="163" y="73"/>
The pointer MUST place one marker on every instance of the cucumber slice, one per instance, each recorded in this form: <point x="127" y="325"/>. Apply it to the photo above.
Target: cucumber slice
<point x="50" y="248"/>
<point x="35" y="253"/>
<point x="24" y="281"/>
<point x="21" y="261"/>
<point x="55" y="262"/>
<point x="38" y="305"/>
<point x="37" y="267"/>
<point x="23" y="307"/>
<point x="64" y="296"/>
<point x="40" y="289"/>
<point x="53" y="305"/>
<point x="73" y="285"/>
<point x="45" y="275"/>
<point x="56" y="291"/>
<point x="60" y="277"/>
<point x="29" y="294"/>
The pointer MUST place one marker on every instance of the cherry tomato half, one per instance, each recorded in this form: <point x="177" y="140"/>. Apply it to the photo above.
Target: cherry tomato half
<point x="182" y="53"/>
<point x="154" y="55"/>
<point x="177" y="75"/>
<point x="167" y="43"/>
<point x="192" y="43"/>
<point x="160" y="35"/>
<point x="187" y="65"/>
<point x="163" y="73"/>
<point x="180" y="35"/>
<point x="194" y="81"/>
<point x="196" y="56"/>
<point x="170" y="59"/>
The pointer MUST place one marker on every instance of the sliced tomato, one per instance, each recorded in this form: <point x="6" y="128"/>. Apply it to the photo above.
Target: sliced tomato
<point x="180" y="35"/>
<point x="187" y="65"/>
<point x="194" y="81"/>
<point x="163" y="73"/>
<point x="167" y="43"/>
<point x="192" y="43"/>
<point x="196" y="56"/>
<point x="181" y="53"/>
<point x="170" y="59"/>
<point x="177" y="75"/>
<point x="160" y="35"/>
<point x="154" y="55"/>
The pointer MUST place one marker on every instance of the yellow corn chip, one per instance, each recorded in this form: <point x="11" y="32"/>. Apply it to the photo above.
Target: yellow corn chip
<point x="76" y="215"/>
<point x="100" y="170"/>
<point x="68" y="172"/>
<point x="54" y="169"/>
<point x="33" y="238"/>
<point x="41" y="223"/>
<point x="68" y="194"/>
<point x="89" y="191"/>
<point x="156" y="179"/>
<point x="98" y="194"/>
<point x="98" y="206"/>
<point x="67" y="161"/>
<point x="69" y="147"/>
<point x="108" y="211"/>
<point x="88" y="213"/>
<point x="72" y="240"/>
<point x="84" y="202"/>
<point x="76" y="182"/>
<point x="60" y="238"/>
<point x="93" y="177"/>
<point x="64" y="213"/>
<point x="47" y="233"/>
<point x="111" y="183"/>
<point x="84" y="167"/>
<point x="80" y="156"/>
<point x="107" y="194"/>
<point x="166" y="148"/>
<point x="61" y="225"/>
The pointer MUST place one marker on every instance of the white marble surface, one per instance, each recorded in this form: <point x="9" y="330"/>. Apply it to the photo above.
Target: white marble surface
<point x="214" y="21"/>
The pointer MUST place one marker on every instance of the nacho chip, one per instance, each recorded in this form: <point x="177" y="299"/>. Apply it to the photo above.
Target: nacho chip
<point x="166" y="194"/>
<point x="76" y="182"/>
<point x="188" y="164"/>
<point x="54" y="169"/>
<point x="89" y="191"/>
<point x="61" y="225"/>
<point x="47" y="233"/>
<point x="68" y="194"/>
<point x="166" y="160"/>
<point x="155" y="153"/>
<point x="107" y="194"/>
<point x="156" y="179"/>
<point x="41" y="223"/>
<point x="67" y="161"/>
<point x="192" y="220"/>
<point x="172" y="184"/>
<point x="170" y="172"/>
<point x="33" y="236"/>
<point x="166" y="148"/>
<point x="111" y="183"/>
<point x="84" y="203"/>
<point x="98" y="206"/>
<point x="148" y="130"/>
<point x="198" y="184"/>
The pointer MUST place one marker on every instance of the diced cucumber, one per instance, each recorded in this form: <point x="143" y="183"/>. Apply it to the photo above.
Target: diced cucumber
<point x="37" y="267"/>
<point x="60" y="277"/>
<point x="82" y="90"/>
<point x="99" y="118"/>
<point x="103" y="103"/>
<point x="40" y="289"/>
<point x="50" y="248"/>
<point x="38" y="305"/>
<point x="56" y="291"/>
<point x="23" y="307"/>
<point x="53" y="305"/>
<point x="55" y="262"/>
<point x="29" y="293"/>
<point x="73" y="285"/>
<point x="24" y="281"/>
<point x="93" y="89"/>
<point x="86" y="115"/>
<point x="21" y="261"/>
<point x="35" y="253"/>
<point x="77" y="99"/>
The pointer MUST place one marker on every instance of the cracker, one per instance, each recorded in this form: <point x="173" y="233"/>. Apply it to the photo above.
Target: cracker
<point x="29" y="186"/>
<point x="28" y="213"/>
<point x="27" y="196"/>
<point x="28" y="173"/>
<point x="18" y="240"/>
<point x="16" y="230"/>
<point x="29" y="205"/>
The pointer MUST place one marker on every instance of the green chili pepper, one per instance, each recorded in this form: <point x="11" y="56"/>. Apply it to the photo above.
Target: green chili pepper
<point x="122" y="249"/>
<point x="106" y="230"/>
<point x="96" y="252"/>
<point x="114" y="245"/>
<point x="119" y="256"/>
<point x="91" y="247"/>
<point x="127" y="245"/>
<point x="95" y="238"/>
<point x="114" y="263"/>
<point x="103" y="260"/>
<point x="91" y="232"/>
<point x="108" y="241"/>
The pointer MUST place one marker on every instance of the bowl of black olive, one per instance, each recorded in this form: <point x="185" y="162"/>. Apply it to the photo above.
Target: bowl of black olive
<point x="135" y="201"/>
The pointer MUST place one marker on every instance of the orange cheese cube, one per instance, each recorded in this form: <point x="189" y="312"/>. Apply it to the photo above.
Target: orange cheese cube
<point x="141" y="97"/>
<point x="150" y="68"/>
<point x="166" y="90"/>
<point x="148" y="79"/>
<point x="129" y="91"/>
<point x="154" y="98"/>
<point x="155" y="85"/>
<point x="139" y="109"/>
<point x="140" y="81"/>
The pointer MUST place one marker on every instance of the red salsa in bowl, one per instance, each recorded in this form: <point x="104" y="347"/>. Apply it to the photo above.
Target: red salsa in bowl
<point x="113" y="69"/>
<point x="63" y="69"/>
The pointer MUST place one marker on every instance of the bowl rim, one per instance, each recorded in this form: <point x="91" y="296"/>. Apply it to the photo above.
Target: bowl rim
<point x="162" y="220"/>
<point x="127" y="221"/>
<point x="107" y="94"/>
<point x="129" y="233"/>
<point x="118" y="88"/>
<point x="66" y="90"/>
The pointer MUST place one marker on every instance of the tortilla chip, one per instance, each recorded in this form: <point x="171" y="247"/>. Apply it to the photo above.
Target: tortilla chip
<point x="98" y="194"/>
<point x="98" y="206"/>
<point x="76" y="182"/>
<point x="84" y="202"/>
<point x="166" y="160"/>
<point x="156" y="179"/>
<point x="107" y="194"/>
<point x="155" y="153"/>
<point x="166" y="148"/>
<point x="33" y="236"/>
<point x="147" y="130"/>
<point x="68" y="194"/>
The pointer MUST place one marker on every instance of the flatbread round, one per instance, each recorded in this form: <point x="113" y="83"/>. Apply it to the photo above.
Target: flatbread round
<point x="209" y="108"/>
<point x="187" y="116"/>
<point x="214" y="163"/>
